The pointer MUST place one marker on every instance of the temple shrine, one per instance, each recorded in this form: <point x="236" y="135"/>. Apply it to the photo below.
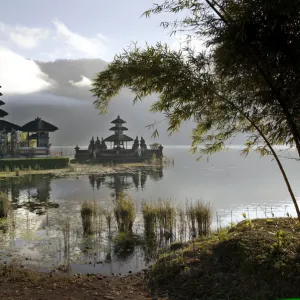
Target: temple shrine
<point x="37" y="130"/>
<point x="118" y="151"/>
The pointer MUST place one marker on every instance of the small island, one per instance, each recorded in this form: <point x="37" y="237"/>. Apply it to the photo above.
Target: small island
<point x="118" y="151"/>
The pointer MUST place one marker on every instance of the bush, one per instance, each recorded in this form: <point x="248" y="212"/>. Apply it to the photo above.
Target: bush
<point x="34" y="163"/>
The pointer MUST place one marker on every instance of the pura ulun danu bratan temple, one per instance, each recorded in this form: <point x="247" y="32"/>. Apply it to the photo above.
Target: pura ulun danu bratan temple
<point x="118" y="151"/>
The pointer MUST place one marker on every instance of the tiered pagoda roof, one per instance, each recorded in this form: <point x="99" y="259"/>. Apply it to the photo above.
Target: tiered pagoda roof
<point x="118" y="128"/>
<point x="5" y="124"/>
<point x="119" y="137"/>
<point x="118" y="120"/>
<point x="3" y="113"/>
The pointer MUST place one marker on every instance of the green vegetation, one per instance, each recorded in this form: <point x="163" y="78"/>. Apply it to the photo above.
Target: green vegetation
<point x="199" y="217"/>
<point x="88" y="212"/>
<point x="125" y="243"/>
<point x="155" y="146"/>
<point x="166" y="218"/>
<point x="4" y="205"/>
<point x="254" y="263"/>
<point x="14" y="164"/>
<point x="124" y="211"/>
<point x="149" y="212"/>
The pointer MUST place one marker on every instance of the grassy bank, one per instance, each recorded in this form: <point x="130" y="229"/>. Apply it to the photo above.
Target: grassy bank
<point x="255" y="260"/>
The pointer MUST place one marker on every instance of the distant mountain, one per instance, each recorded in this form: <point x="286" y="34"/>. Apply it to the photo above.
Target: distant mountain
<point x="63" y="72"/>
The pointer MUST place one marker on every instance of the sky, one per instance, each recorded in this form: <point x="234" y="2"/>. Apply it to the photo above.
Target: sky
<point x="48" y="30"/>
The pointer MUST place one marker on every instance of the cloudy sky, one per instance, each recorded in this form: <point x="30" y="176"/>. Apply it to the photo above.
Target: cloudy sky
<point x="35" y="31"/>
<point x="47" y="30"/>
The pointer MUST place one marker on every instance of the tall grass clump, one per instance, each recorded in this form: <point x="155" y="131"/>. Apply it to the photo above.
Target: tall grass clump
<point x="4" y="205"/>
<point x="166" y="218"/>
<point x="88" y="212"/>
<point x="199" y="218"/>
<point x="149" y="212"/>
<point x="124" y="212"/>
<point x="109" y="219"/>
<point x="182" y="224"/>
<point x="66" y="230"/>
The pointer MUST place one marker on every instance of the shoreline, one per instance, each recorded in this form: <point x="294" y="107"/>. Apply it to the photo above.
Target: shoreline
<point x="254" y="259"/>
<point x="84" y="169"/>
<point x="18" y="282"/>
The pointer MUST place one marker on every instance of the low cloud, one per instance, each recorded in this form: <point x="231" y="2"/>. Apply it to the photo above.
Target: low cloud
<point x="19" y="75"/>
<point x="84" y="82"/>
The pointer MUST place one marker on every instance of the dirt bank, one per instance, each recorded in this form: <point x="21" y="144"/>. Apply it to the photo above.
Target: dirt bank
<point x="18" y="283"/>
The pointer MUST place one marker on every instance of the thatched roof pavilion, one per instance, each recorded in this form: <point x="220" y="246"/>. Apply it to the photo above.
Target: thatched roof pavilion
<point x="8" y="126"/>
<point x="38" y="125"/>
<point x="40" y="131"/>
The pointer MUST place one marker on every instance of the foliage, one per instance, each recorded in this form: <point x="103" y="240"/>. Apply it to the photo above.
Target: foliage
<point x="24" y="142"/>
<point x="124" y="244"/>
<point x="154" y="146"/>
<point x="281" y="241"/>
<point x="247" y="220"/>
<point x="34" y="163"/>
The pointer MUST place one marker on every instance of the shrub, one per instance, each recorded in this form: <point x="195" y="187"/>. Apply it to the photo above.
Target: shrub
<point x="34" y="163"/>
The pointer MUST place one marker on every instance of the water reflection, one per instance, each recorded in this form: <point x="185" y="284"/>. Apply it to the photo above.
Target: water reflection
<point x="45" y="229"/>
<point x="120" y="182"/>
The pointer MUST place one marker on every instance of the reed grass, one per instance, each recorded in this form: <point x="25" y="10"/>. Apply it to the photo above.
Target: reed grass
<point x="66" y="229"/>
<point x="199" y="218"/>
<point x="108" y="214"/>
<point x="88" y="212"/>
<point x="149" y="212"/>
<point x="182" y="224"/>
<point x="124" y="212"/>
<point x="166" y="217"/>
<point x="4" y="205"/>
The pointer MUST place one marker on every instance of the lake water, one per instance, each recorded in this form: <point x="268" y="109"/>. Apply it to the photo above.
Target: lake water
<point x="45" y="206"/>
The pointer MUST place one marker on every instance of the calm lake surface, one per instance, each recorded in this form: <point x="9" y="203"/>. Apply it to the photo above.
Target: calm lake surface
<point x="46" y="212"/>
